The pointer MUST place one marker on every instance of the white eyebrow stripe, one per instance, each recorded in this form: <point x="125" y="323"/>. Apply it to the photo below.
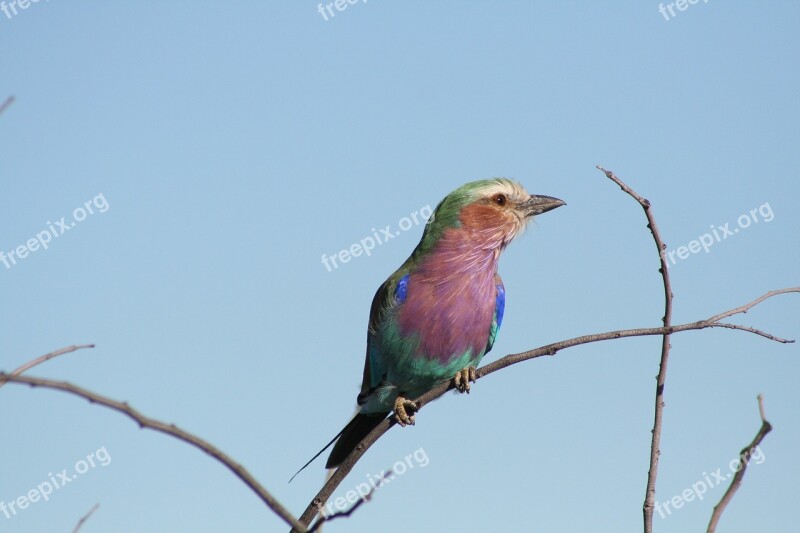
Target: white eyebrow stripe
<point x="509" y="188"/>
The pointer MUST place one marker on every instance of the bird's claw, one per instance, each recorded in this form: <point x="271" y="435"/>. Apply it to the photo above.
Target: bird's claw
<point x="404" y="410"/>
<point x="463" y="377"/>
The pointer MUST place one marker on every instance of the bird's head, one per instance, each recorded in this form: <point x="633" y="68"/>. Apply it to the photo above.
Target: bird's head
<point x="492" y="212"/>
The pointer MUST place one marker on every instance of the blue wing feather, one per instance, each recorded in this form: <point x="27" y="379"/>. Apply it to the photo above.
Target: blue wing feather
<point x="401" y="291"/>
<point x="499" y="309"/>
<point x="500" y="304"/>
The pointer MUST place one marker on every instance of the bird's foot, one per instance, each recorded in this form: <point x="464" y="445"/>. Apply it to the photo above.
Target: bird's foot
<point x="404" y="410"/>
<point x="463" y="377"/>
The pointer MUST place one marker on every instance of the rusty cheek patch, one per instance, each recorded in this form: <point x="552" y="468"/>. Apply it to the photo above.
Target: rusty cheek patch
<point x="483" y="216"/>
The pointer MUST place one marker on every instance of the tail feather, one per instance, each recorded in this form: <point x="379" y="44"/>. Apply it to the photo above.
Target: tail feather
<point x="318" y="454"/>
<point x="349" y="437"/>
<point x="353" y="433"/>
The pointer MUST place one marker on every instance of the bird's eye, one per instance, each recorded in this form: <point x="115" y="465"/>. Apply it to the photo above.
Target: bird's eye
<point x="500" y="199"/>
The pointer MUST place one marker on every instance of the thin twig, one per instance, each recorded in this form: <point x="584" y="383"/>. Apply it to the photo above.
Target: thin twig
<point x="752" y="330"/>
<point x="48" y="356"/>
<point x="744" y="459"/>
<point x="761" y="411"/>
<point x="169" y="429"/>
<point x="746" y="307"/>
<point x="655" y="452"/>
<point x="85" y="518"/>
<point x="548" y="350"/>
<point x="8" y="102"/>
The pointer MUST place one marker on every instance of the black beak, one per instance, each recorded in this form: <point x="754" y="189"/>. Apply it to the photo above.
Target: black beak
<point x="536" y="205"/>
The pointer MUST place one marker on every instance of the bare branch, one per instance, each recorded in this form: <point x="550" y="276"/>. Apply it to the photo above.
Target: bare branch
<point x="336" y="477"/>
<point x="744" y="459"/>
<point x="652" y="473"/>
<point x="547" y="350"/>
<point x="339" y="474"/>
<point x="169" y="429"/>
<point x="85" y="517"/>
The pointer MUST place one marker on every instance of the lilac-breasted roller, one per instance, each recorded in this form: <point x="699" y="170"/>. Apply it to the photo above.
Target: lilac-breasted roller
<point x="437" y="316"/>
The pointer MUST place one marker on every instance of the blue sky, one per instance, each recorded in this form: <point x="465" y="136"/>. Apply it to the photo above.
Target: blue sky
<point x="225" y="147"/>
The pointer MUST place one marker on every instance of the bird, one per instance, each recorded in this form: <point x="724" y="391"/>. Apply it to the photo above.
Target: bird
<point x="437" y="315"/>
